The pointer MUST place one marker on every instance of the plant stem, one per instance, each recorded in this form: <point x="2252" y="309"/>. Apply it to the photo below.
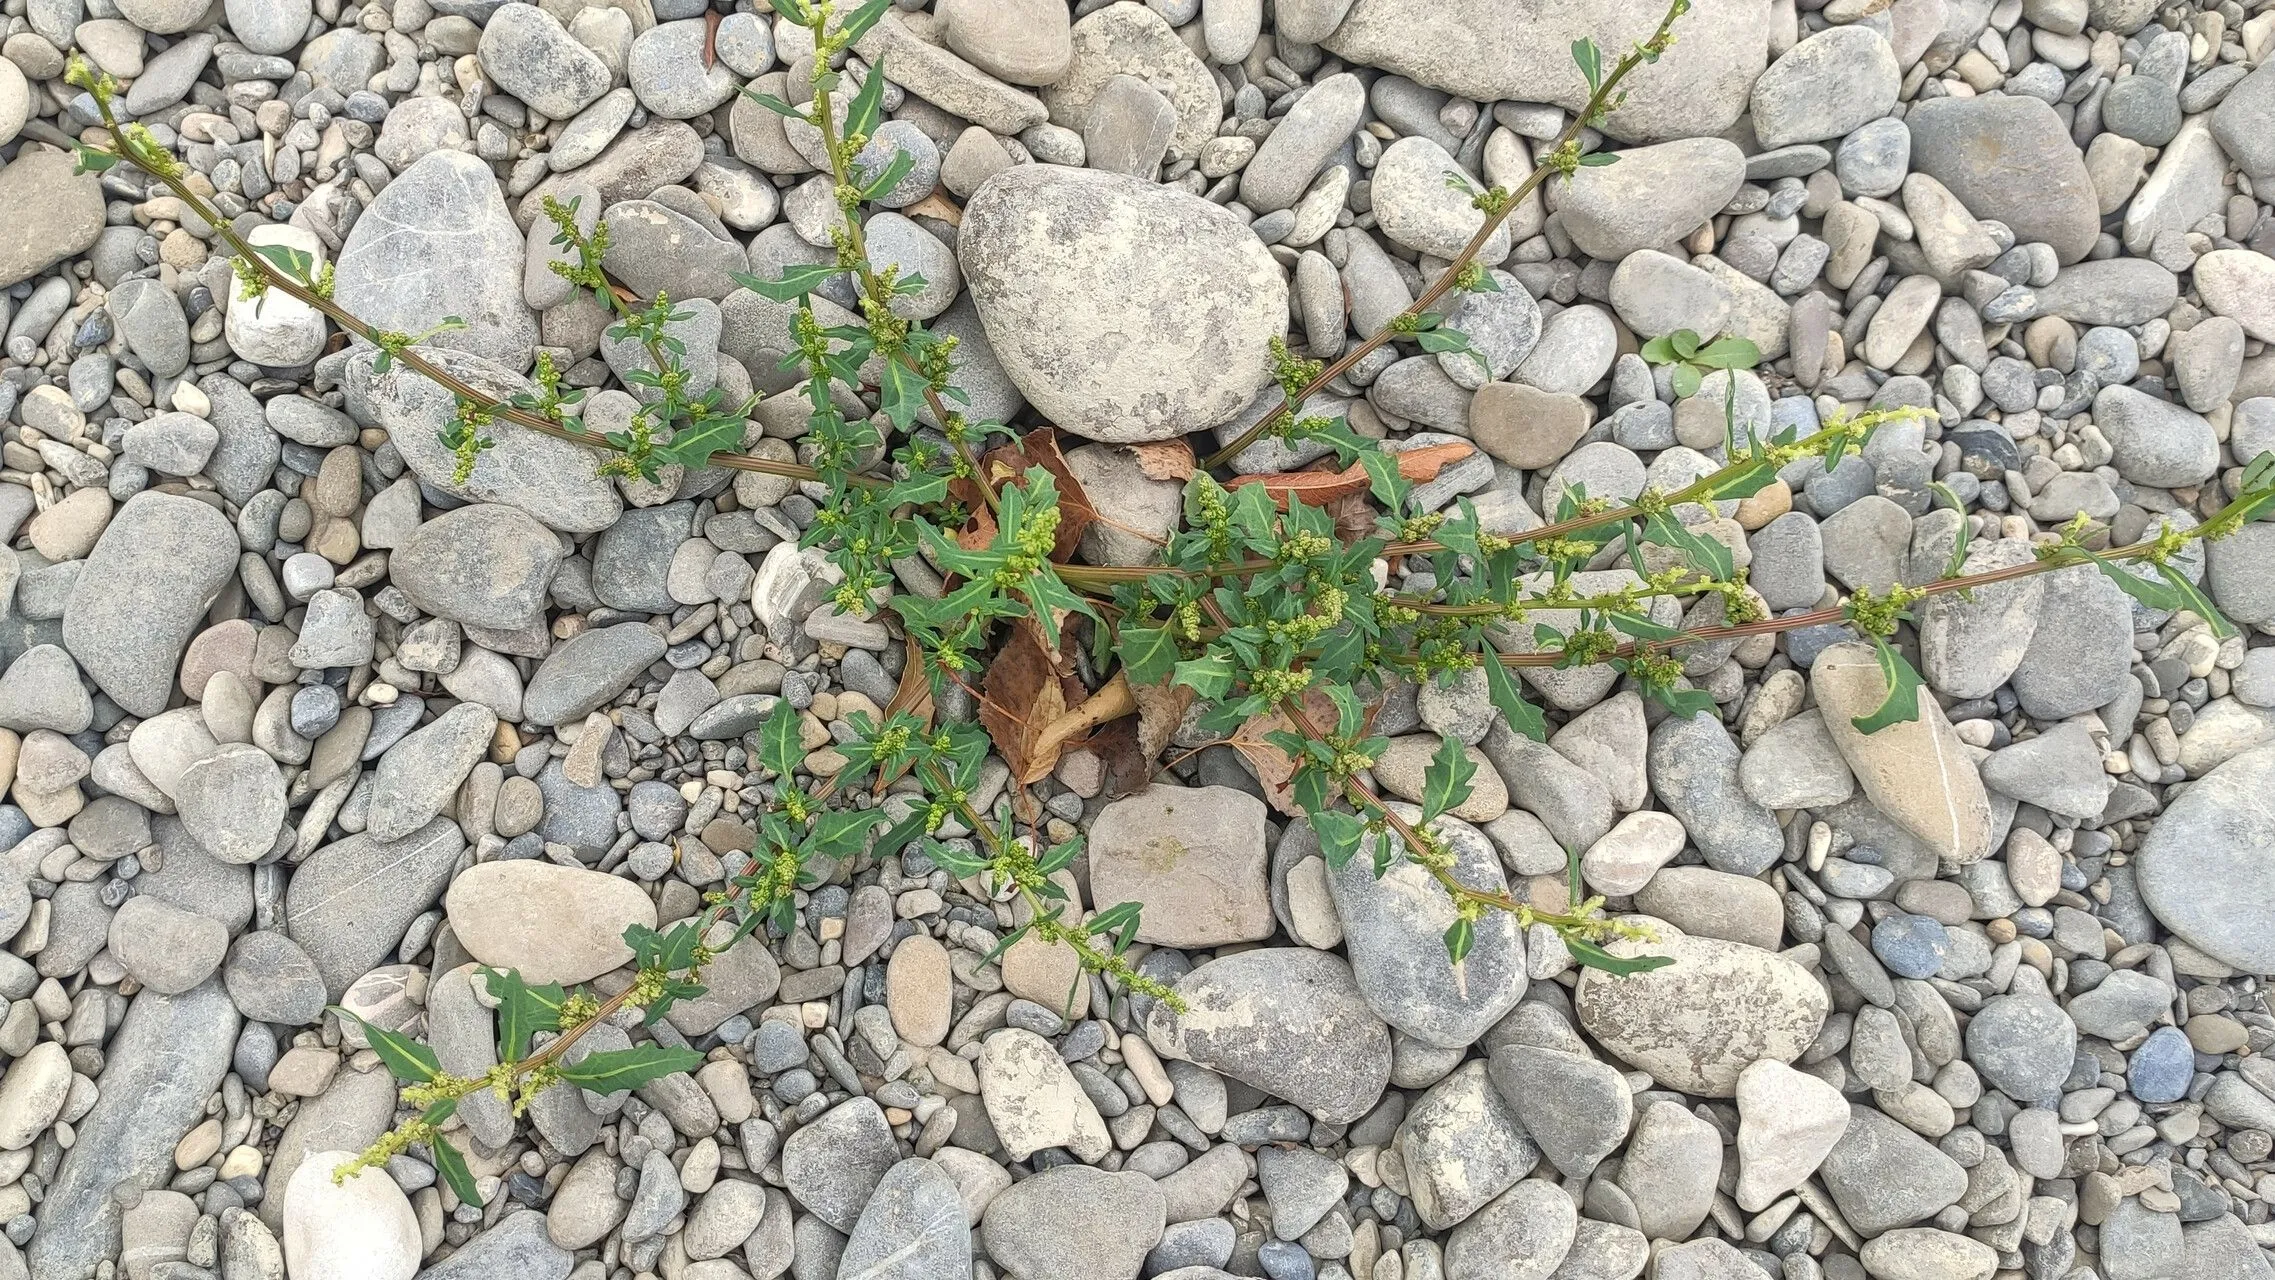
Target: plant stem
<point x="1445" y="282"/>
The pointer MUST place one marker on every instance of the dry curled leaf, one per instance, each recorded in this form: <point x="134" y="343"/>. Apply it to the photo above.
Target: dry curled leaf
<point x="1007" y="464"/>
<point x="1323" y="488"/>
<point x="1021" y="695"/>
<point x="1164" y="459"/>
<point x="938" y="206"/>
<point x="1271" y="765"/>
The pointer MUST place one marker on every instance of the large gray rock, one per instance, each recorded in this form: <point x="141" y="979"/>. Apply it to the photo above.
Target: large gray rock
<point x="2155" y="442"/>
<point x="485" y="565"/>
<point x="2205" y="868"/>
<point x="526" y="52"/>
<point x="554" y="480"/>
<point x="1074" y="1221"/>
<point x="1287" y="1020"/>
<point x="517" y="1248"/>
<point x="913" y="1228"/>
<point x="1651" y="198"/>
<point x="438" y="242"/>
<point x="144" y="592"/>
<point x="1826" y="86"/>
<point x="1699" y="1022"/>
<point x="2008" y="156"/>
<point x="1123" y="310"/>
<point x="167" y="1058"/>
<point x="348" y="904"/>
<point x="1494" y="49"/>
<point x="1882" y="1175"/>
<point x="1694" y="769"/>
<point x="1394" y="930"/>
<point x="588" y="670"/>
<point x="46" y="214"/>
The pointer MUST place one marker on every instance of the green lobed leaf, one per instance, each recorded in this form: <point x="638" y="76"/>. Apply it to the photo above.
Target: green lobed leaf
<point x="1339" y="834"/>
<point x="296" y="264"/>
<point x="798" y="280"/>
<point x="901" y="394"/>
<point x="842" y="833"/>
<point x="1442" y="340"/>
<point x="781" y="748"/>
<point x="1595" y="957"/>
<point x="523" y="1010"/>
<point x="452" y="1167"/>
<point x="2195" y="601"/>
<point x="406" y="1058"/>
<point x="1902" y="703"/>
<point x="693" y="445"/>
<point x="1460" y="936"/>
<point x="1209" y="676"/>
<point x="1385" y="482"/>
<point x="961" y="863"/>
<point x="619" y="1070"/>
<point x="671" y="951"/>
<point x="1445" y="781"/>
<point x="1730" y="353"/>
<point x="1149" y="654"/>
<point x="1509" y="700"/>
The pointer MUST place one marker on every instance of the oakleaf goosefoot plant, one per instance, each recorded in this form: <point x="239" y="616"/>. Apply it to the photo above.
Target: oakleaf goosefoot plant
<point x="1252" y="609"/>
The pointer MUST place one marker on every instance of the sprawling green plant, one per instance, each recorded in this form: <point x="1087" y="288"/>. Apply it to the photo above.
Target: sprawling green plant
<point x="1263" y="606"/>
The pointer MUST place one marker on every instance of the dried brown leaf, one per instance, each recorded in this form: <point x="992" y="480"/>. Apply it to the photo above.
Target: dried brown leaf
<point x="1272" y="766"/>
<point x="1008" y="464"/>
<point x="1322" y="488"/>
<point x="1019" y="698"/>
<point x="1164" y="459"/>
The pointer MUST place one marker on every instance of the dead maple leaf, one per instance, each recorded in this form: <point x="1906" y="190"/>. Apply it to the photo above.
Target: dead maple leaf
<point x="1320" y="488"/>
<point x="1164" y="459"/>
<point x="1272" y="766"/>
<point x="1007" y="464"/>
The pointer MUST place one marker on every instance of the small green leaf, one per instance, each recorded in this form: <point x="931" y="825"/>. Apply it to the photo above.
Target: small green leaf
<point x="1209" y="676"/>
<point x="1680" y="702"/>
<point x="671" y="951"/>
<point x="1442" y="339"/>
<point x="1460" y="936"/>
<point x="617" y="1070"/>
<point x="91" y="159"/>
<point x="867" y="107"/>
<point x="889" y="176"/>
<point x="523" y="1010"/>
<point x="863" y="18"/>
<point x="1445" y="782"/>
<point x="1384" y="481"/>
<point x="1590" y="59"/>
<point x="1903" y="701"/>
<point x="1659" y="350"/>
<point x="1953" y="566"/>
<point x="1509" y="700"/>
<point x="1595" y="957"/>
<point x="796" y="11"/>
<point x="777" y="105"/>
<point x="1339" y="834"/>
<point x="1119" y="922"/>
<point x="1598" y="159"/>
<point x="694" y="444"/>
<point x="1684" y="381"/>
<point x="1730" y="353"/>
<point x="1640" y="626"/>
<point x="843" y="833"/>
<point x="781" y="747"/>
<point x="963" y="864"/>
<point x="2153" y="593"/>
<point x="296" y="264"/>
<point x="798" y="280"/>
<point x="1707" y="555"/>
<point x="901" y="394"/>
<point x="1149" y="654"/>
<point x="452" y="1167"/>
<point x="1685" y="343"/>
<point x="406" y="1058"/>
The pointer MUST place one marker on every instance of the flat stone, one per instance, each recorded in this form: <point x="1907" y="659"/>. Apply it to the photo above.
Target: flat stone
<point x="2217" y="834"/>
<point x="144" y="592"/>
<point x="438" y="242"/>
<point x="350" y="902"/>
<point x="1697" y="1023"/>
<point x="1289" y="1021"/>
<point x="553" y="923"/>
<point x="1192" y="858"/>
<point x="2008" y="157"/>
<point x="50" y="214"/>
<point x="485" y="565"/>
<point x="1915" y="771"/>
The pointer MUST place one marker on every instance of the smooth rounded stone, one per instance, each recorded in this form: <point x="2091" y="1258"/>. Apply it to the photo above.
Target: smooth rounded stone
<point x="526" y="52"/>
<point x="1502" y="328"/>
<point x="2122" y="1006"/>
<point x="517" y="1248"/>
<point x="41" y="690"/>
<point x="276" y="330"/>
<point x="1069" y="1220"/>
<point x="1192" y="858"/>
<point x="360" y="1228"/>
<point x="1524" y="1234"/>
<point x="15" y="102"/>
<point x="1394" y="928"/>
<point x="1302" y="142"/>
<point x="2008" y="157"/>
<point x="1911" y="946"/>
<point x="1488" y="51"/>
<point x="2240" y="285"/>
<point x="1461" y="1146"/>
<point x="419" y="775"/>
<point x="1694" y="769"/>
<point x="919" y="991"/>
<point x="1788" y="1121"/>
<point x="419" y="125"/>
<point x="1628" y="855"/>
<point x="142" y="593"/>
<point x="672" y="75"/>
<point x="1796" y="765"/>
<point x="2143" y="109"/>
<point x="1657" y="294"/>
<point x="348" y="904"/>
<point x="1653" y="197"/>
<point x="32" y="1094"/>
<point x="1289" y="1021"/>
<point x="1695" y="1024"/>
<point x="1178" y="302"/>
<point x="160" y="1068"/>
<point x="270" y="979"/>
<point x="1915" y="771"/>
<point x="2155" y="442"/>
<point x="232" y="802"/>
<point x="2079" y="656"/>
<point x="484" y="565"/>
<point x="1882" y="1175"/>
<point x="914" y="1227"/>
<point x="165" y="948"/>
<point x="150" y="320"/>
<point x="1670" y="1169"/>
<point x="1576" y="348"/>
<point x="1033" y="1101"/>
<point x="2203" y="869"/>
<point x="1415" y="206"/>
<point x="439" y="242"/>
<point x="1129" y="128"/>
<point x="573" y="934"/>
<point x="1969" y="647"/>
<point x="2059" y="771"/>
<point x="51" y="214"/>
<point x="588" y="670"/>
<point x="1715" y="904"/>
<point x="1022" y="41"/>
<point x="1925" y="1253"/>
<point x="1874" y="159"/>
<point x="1576" y="1108"/>
<point x="174" y="444"/>
<point x="2113" y="291"/>
<point x="1825" y="86"/>
<point x="1129" y="39"/>
<point x="2023" y="1045"/>
<point x="269" y="26"/>
<point x="2162" y="1067"/>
